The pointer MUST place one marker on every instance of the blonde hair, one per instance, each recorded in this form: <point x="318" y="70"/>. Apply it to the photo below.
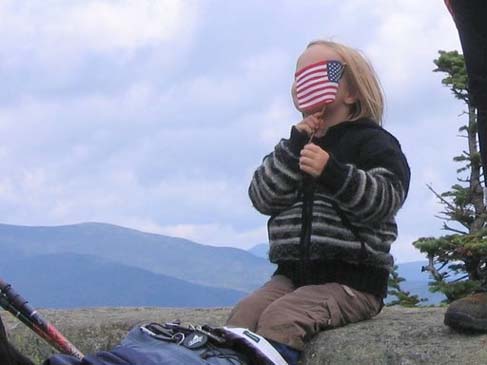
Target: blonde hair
<point x="362" y="80"/>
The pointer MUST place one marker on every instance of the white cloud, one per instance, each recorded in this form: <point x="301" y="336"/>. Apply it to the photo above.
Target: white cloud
<point x="409" y="34"/>
<point x="65" y="38"/>
<point x="404" y="251"/>
<point x="213" y="90"/>
<point x="154" y="114"/>
<point x="125" y="24"/>
<point x="269" y="66"/>
<point x="250" y="82"/>
<point x="266" y="127"/>
<point x="94" y="24"/>
<point x="276" y="122"/>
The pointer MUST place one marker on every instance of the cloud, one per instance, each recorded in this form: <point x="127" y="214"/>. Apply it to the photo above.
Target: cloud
<point x="404" y="251"/>
<point x="101" y="25"/>
<point x="65" y="48"/>
<point x="242" y="85"/>
<point x="408" y="36"/>
<point x="154" y="114"/>
<point x="128" y="24"/>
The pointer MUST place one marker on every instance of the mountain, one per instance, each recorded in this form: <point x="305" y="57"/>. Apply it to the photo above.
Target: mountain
<point x="412" y="271"/>
<point x="114" y="252"/>
<point x="260" y="250"/>
<point x="220" y="267"/>
<point x="70" y="280"/>
<point x="416" y="282"/>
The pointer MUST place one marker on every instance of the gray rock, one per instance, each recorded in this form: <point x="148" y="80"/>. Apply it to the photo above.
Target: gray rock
<point x="396" y="336"/>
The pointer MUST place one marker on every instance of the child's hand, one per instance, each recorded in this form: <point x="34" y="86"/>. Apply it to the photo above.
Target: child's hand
<point x="313" y="159"/>
<point x="311" y="124"/>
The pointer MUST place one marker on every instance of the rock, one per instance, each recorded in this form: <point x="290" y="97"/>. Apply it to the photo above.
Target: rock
<point x="396" y="336"/>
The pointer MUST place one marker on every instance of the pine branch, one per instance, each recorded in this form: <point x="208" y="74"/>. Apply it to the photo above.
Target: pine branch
<point x="458" y="94"/>
<point x="446" y="227"/>
<point x="431" y="268"/>
<point x="443" y="200"/>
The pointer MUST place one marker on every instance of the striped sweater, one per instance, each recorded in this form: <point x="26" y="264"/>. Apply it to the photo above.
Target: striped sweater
<point x="366" y="178"/>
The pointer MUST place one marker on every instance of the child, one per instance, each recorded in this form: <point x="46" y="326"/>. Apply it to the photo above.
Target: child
<point x="331" y="190"/>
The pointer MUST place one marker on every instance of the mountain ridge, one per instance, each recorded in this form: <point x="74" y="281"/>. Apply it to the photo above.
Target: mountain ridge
<point x="81" y="281"/>
<point x="220" y="267"/>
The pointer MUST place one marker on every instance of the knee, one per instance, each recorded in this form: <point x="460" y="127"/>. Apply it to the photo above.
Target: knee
<point x="248" y="311"/>
<point x="276" y="317"/>
<point x="246" y="306"/>
<point x="244" y="314"/>
<point x="276" y="323"/>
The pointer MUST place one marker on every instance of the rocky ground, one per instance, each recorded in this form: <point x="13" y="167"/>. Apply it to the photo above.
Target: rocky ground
<point x="397" y="336"/>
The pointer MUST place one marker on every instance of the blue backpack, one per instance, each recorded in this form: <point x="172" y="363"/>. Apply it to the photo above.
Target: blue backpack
<point x="173" y="344"/>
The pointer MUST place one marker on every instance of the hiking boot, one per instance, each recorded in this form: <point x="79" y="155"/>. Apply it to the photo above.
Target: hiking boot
<point x="468" y="314"/>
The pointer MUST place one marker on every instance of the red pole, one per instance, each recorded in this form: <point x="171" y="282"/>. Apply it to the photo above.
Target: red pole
<point x="19" y="308"/>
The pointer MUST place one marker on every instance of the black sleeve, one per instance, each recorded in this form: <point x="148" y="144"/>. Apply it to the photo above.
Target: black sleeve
<point x="375" y="187"/>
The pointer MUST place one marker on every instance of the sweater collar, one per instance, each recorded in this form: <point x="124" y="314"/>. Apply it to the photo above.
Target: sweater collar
<point x="351" y="124"/>
<point x="362" y="123"/>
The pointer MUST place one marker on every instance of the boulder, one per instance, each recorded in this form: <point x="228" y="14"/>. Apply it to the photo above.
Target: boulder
<point x="396" y="336"/>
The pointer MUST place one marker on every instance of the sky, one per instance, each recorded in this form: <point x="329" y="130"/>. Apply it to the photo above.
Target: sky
<point x="153" y="114"/>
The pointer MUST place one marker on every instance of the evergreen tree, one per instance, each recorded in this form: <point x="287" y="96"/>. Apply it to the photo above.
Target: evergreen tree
<point x="457" y="261"/>
<point x="403" y="298"/>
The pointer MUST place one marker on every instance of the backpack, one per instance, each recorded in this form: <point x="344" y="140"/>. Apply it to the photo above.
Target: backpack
<point x="174" y="344"/>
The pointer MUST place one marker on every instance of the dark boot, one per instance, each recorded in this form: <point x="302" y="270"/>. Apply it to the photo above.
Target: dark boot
<point x="468" y="314"/>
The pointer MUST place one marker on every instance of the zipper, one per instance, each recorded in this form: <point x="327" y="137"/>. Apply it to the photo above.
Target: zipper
<point x="307" y="220"/>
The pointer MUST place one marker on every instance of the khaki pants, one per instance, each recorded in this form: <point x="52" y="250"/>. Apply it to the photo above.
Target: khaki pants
<point x="280" y="312"/>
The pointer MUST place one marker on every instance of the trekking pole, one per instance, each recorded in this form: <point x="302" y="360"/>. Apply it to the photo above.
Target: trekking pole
<point x="14" y="303"/>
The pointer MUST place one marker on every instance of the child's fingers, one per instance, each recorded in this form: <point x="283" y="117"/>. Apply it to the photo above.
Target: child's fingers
<point x="308" y="170"/>
<point x="307" y="153"/>
<point x="306" y="161"/>
<point x="313" y="122"/>
<point x="306" y="128"/>
<point x="309" y="165"/>
<point x="319" y="119"/>
<point x="312" y="147"/>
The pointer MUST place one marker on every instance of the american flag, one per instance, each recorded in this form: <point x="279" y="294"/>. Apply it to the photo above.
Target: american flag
<point x="317" y="84"/>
